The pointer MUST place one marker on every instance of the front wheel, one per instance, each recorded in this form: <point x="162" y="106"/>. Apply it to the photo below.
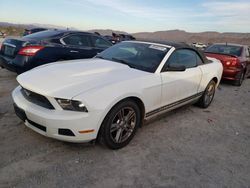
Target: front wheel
<point x="120" y="125"/>
<point x="208" y="95"/>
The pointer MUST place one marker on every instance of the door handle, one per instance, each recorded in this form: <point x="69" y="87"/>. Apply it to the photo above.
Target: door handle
<point x="74" y="51"/>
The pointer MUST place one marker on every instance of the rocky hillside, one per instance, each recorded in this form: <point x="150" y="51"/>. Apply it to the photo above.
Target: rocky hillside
<point x="106" y="31"/>
<point x="17" y="29"/>
<point x="12" y="30"/>
<point x="172" y="35"/>
<point x="204" y="37"/>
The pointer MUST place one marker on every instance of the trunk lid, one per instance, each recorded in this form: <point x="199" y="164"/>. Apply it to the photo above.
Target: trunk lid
<point x="226" y="59"/>
<point x="11" y="46"/>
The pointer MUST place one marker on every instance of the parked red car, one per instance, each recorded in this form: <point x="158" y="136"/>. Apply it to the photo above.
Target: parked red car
<point x="235" y="59"/>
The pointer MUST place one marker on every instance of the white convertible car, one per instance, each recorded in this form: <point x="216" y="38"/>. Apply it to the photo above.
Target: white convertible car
<point x="108" y="97"/>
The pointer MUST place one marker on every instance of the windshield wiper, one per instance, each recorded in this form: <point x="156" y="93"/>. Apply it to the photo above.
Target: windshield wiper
<point x="122" y="61"/>
<point x="139" y="67"/>
<point x="100" y="57"/>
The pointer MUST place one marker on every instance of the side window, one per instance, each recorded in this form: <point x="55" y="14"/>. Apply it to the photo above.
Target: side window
<point x="77" y="40"/>
<point x="185" y="57"/>
<point x="100" y="43"/>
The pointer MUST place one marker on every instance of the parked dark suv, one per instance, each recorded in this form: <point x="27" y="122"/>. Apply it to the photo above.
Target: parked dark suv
<point x="20" y="55"/>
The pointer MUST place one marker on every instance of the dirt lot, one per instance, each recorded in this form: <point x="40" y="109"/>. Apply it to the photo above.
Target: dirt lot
<point x="189" y="147"/>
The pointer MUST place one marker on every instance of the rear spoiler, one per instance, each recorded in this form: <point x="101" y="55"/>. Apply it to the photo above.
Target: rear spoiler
<point x="221" y="54"/>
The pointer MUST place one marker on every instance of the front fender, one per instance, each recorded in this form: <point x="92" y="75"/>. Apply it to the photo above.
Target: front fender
<point x="104" y="99"/>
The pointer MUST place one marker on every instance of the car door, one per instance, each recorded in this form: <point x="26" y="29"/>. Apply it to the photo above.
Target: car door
<point x="181" y="85"/>
<point x="100" y="44"/>
<point x="78" y="46"/>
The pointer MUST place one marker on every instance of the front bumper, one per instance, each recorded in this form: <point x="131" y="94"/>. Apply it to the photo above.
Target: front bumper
<point x="49" y="122"/>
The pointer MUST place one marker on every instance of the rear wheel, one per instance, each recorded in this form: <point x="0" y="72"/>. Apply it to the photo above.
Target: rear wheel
<point x="120" y="125"/>
<point x="240" y="79"/>
<point x="208" y="95"/>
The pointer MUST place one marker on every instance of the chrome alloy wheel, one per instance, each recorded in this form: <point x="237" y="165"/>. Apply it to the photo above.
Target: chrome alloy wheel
<point x="123" y="124"/>
<point x="209" y="95"/>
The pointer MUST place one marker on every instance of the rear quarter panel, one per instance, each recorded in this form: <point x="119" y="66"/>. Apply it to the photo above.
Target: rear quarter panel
<point x="210" y="71"/>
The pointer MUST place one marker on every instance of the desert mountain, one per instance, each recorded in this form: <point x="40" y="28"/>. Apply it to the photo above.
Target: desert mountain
<point x="171" y="35"/>
<point x="204" y="37"/>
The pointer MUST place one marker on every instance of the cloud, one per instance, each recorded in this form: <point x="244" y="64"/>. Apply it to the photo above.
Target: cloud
<point x="228" y="6"/>
<point x="130" y="8"/>
<point x="228" y="9"/>
<point x="230" y="15"/>
<point x="222" y="15"/>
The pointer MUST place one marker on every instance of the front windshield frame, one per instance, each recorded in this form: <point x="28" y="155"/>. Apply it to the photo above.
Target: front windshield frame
<point x="159" y="51"/>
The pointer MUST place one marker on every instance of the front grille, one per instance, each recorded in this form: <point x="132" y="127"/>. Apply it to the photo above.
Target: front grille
<point x="36" y="99"/>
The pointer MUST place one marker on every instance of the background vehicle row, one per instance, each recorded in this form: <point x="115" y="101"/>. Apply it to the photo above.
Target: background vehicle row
<point x="235" y="59"/>
<point x="19" y="55"/>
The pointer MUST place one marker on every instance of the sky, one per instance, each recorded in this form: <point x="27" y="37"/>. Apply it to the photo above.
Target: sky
<point x="132" y="15"/>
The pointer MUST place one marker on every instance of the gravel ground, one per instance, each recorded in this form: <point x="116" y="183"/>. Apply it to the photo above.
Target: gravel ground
<point x="189" y="147"/>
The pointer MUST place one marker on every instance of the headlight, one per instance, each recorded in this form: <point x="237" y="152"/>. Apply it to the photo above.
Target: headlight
<point x="72" y="105"/>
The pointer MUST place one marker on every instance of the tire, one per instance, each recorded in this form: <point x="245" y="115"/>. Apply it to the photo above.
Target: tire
<point x="240" y="79"/>
<point x="120" y="125"/>
<point x="208" y="95"/>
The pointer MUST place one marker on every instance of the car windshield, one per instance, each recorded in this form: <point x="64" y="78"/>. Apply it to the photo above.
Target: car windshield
<point x="141" y="56"/>
<point x="43" y="34"/>
<point x="225" y="49"/>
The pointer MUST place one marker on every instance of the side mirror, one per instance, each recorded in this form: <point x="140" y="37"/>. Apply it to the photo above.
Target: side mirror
<point x="176" y="68"/>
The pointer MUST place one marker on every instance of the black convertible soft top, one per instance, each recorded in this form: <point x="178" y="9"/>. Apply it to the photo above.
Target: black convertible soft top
<point x="180" y="45"/>
<point x="170" y="43"/>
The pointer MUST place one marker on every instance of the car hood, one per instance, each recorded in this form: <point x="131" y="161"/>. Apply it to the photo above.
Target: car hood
<point x="71" y="78"/>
